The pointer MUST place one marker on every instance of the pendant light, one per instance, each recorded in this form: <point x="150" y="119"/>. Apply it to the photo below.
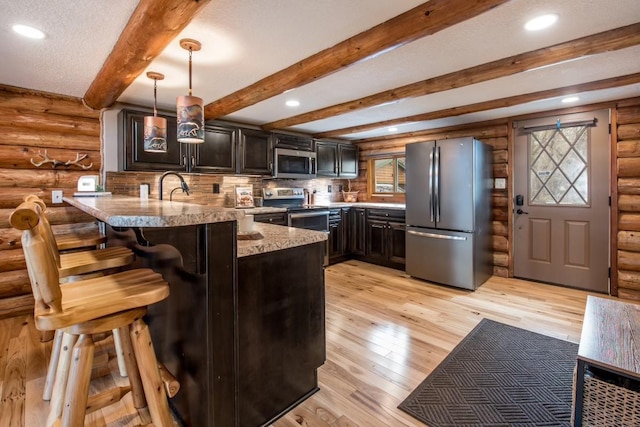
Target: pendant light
<point x="190" y="108"/>
<point x="155" y="128"/>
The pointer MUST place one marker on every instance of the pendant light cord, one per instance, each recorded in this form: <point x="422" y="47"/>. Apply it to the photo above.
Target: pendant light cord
<point x="190" y="52"/>
<point x="155" y="97"/>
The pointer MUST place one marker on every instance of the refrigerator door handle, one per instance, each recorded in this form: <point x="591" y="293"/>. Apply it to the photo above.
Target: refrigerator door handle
<point x="431" y="201"/>
<point x="436" y="236"/>
<point x="437" y="184"/>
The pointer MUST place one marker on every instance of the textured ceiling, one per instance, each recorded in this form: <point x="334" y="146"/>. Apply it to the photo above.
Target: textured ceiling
<point x="246" y="40"/>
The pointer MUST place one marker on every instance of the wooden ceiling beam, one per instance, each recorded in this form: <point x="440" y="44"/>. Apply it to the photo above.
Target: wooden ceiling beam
<point x="421" y="21"/>
<point x="152" y="26"/>
<point x="484" y="129"/>
<point x="489" y="105"/>
<point x="607" y="41"/>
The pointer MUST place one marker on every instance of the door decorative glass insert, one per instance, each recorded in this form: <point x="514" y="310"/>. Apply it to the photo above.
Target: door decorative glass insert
<point x="559" y="167"/>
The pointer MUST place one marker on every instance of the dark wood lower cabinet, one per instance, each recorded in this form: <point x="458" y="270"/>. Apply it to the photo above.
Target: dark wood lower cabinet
<point x="281" y="338"/>
<point x="357" y="231"/>
<point x="396" y="233"/>
<point x="372" y="235"/>
<point x="377" y="240"/>
<point x="338" y="234"/>
<point x="244" y="337"/>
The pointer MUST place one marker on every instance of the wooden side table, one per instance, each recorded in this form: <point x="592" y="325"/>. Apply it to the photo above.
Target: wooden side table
<point x="610" y="341"/>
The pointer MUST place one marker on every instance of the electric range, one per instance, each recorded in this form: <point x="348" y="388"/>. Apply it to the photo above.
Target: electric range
<point x="299" y="213"/>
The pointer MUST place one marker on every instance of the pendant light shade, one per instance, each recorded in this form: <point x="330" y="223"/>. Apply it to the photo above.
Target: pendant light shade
<point x="155" y="128"/>
<point x="190" y="109"/>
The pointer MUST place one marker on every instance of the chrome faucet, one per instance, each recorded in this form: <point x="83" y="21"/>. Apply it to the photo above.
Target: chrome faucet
<point x="183" y="184"/>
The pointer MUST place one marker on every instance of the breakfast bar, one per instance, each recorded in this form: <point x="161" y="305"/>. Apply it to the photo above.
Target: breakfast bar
<point x="241" y="330"/>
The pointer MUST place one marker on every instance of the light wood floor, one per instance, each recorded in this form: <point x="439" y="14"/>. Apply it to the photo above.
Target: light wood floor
<point x="385" y="333"/>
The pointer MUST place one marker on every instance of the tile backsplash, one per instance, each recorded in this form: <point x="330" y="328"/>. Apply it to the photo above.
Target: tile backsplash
<point x="202" y="186"/>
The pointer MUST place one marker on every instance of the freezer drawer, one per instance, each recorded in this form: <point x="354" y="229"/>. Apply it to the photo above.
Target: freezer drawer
<point x="445" y="257"/>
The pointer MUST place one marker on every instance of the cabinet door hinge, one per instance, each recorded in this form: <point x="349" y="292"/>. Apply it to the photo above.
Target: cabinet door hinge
<point x="609" y="128"/>
<point x="609" y="273"/>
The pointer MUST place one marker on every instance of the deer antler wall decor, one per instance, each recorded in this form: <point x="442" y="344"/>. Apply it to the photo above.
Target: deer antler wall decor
<point x="55" y="163"/>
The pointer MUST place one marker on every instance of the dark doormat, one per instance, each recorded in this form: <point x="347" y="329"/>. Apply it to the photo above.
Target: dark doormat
<point x="499" y="375"/>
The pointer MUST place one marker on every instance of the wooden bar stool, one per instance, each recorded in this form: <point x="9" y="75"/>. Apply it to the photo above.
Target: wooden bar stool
<point x="75" y="264"/>
<point x="73" y="241"/>
<point x="87" y="307"/>
<point x="80" y="262"/>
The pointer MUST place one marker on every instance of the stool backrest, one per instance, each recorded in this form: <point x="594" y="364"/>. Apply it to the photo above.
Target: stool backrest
<point x="45" y="226"/>
<point x="41" y="265"/>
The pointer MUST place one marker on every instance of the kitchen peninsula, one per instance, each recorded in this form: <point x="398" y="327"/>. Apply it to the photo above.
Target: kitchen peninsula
<point x="242" y="330"/>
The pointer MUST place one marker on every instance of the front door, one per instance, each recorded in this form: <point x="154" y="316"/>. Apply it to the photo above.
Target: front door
<point x="561" y="208"/>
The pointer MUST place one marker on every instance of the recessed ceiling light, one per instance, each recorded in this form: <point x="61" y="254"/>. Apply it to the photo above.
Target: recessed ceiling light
<point x="570" y="99"/>
<point x="541" y="22"/>
<point x="292" y="103"/>
<point x="27" y="31"/>
<point x="392" y="129"/>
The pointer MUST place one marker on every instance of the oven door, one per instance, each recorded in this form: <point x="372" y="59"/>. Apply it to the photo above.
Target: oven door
<point x="294" y="164"/>
<point x="312" y="220"/>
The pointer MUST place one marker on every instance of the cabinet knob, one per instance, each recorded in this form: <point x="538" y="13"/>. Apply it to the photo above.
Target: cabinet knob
<point x="386" y="214"/>
<point x="270" y="219"/>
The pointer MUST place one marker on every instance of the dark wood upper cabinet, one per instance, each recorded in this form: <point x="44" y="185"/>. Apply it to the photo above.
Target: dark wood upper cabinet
<point x="348" y="160"/>
<point x="255" y="152"/>
<point x="337" y="160"/>
<point x="293" y="142"/>
<point x="217" y="153"/>
<point x="132" y="156"/>
<point x="327" y="158"/>
<point x="226" y="149"/>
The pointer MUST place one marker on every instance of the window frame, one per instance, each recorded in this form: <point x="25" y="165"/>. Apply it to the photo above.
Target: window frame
<point x="395" y="195"/>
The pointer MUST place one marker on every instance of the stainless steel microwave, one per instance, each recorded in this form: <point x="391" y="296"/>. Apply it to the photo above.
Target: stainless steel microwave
<point x="295" y="164"/>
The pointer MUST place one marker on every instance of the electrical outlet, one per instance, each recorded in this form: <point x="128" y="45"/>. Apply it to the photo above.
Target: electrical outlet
<point x="56" y="196"/>
<point x="328" y="189"/>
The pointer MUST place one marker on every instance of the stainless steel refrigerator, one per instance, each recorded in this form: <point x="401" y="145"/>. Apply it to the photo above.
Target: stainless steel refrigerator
<point x="448" y="194"/>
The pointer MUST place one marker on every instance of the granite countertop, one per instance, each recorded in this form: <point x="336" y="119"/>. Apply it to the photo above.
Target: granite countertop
<point x="277" y="237"/>
<point x="261" y="210"/>
<point x="127" y="211"/>
<point x="265" y="210"/>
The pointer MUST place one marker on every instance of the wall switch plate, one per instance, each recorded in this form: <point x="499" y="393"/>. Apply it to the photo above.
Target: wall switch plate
<point x="216" y="188"/>
<point x="56" y="196"/>
<point x="500" y="184"/>
<point x="328" y="189"/>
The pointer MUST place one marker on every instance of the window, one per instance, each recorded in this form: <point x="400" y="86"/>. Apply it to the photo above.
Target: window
<point x="388" y="176"/>
<point x="559" y="167"/>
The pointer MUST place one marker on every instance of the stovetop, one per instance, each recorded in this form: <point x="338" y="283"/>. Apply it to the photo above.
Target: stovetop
<point x="293" y="199"/>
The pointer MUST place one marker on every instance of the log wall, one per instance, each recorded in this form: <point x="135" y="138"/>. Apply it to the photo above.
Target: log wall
<point x="495" y="134"/>
<point x="32" y="123"/>
<point x="627" y="162"/>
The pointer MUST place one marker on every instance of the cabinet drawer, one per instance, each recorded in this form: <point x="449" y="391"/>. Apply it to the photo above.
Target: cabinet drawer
<point x="278" y="218"/>
<point x="335" y="215"/>
<point x="396" y="215"/>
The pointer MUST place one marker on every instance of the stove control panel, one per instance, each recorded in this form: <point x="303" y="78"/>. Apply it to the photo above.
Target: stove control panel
<point x="282" y="193"/>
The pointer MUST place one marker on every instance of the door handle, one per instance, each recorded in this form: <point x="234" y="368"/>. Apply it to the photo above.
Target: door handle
<point x="436" y="236"/>
<point x="521" y="212"/>
<point x="431" y="201"/>
<point x="437" y="184"/>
